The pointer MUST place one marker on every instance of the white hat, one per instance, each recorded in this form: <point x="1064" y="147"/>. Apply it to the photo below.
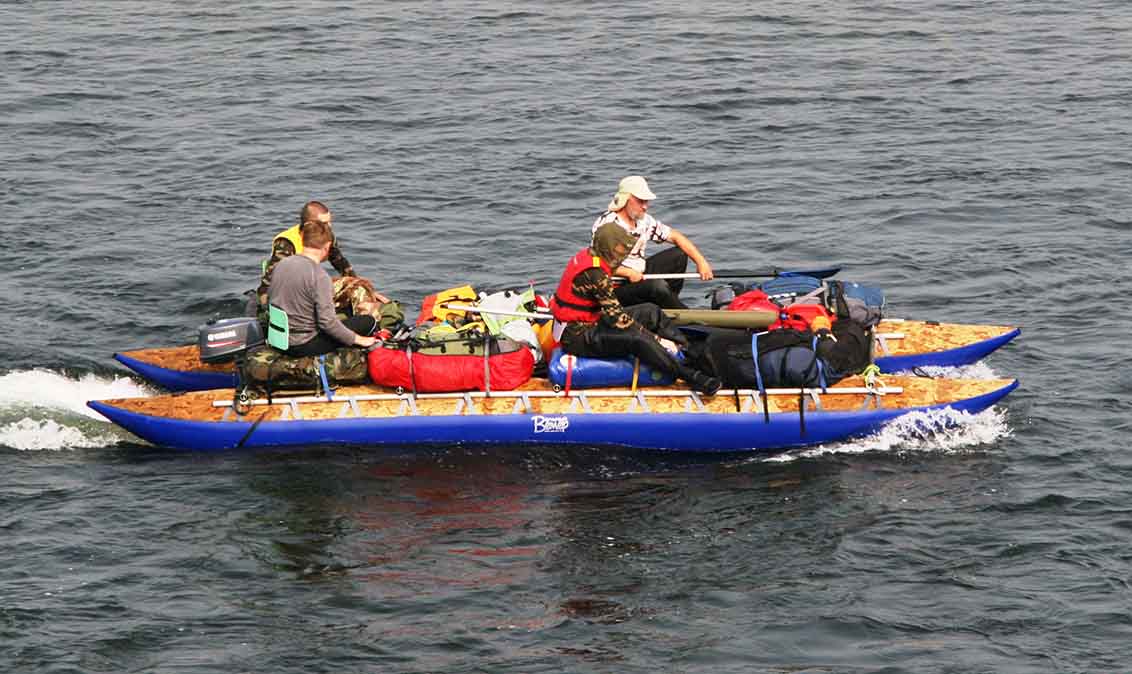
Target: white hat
<point x="634" y="185"/>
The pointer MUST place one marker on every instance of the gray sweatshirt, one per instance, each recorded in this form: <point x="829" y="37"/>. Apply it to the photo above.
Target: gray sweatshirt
<point x="302" y="288"/>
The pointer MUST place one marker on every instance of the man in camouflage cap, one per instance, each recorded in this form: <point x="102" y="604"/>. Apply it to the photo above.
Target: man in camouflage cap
<point x="590" y="321"/>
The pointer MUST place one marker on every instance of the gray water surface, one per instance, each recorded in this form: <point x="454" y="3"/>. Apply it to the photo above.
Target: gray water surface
<point x="969" y="157"/>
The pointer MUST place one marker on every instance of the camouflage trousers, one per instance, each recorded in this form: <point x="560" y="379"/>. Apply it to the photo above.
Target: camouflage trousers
<point x="267" y="367"/>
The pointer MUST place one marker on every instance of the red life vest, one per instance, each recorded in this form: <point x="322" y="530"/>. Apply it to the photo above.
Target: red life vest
<point x="565" y="305"/>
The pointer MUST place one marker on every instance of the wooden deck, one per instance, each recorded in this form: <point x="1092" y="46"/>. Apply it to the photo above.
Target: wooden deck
<point x="537" y="397"/>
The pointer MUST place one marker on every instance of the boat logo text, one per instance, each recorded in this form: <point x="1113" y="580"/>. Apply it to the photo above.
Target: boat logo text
<point x="550" y="424"/>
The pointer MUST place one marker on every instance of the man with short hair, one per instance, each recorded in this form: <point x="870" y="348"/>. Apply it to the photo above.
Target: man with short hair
<point x="352" y="294"/>
<point x="302" y="288"/>
<point x="629" y="209"/>
<point x="591" y="322"/>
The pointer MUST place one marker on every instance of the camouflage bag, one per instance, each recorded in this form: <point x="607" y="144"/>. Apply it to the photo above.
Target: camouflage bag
<point x="271" y="369"/>
<point x="355" y="296"/>
<point x="392" y="316"/>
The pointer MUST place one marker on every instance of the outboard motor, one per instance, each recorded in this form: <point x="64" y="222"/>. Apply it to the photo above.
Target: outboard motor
<point x="224" y="340"/>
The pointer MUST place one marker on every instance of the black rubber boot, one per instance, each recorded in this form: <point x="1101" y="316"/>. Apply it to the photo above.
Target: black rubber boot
<point x="709" y="386"/>
<point x="700" y="382"/>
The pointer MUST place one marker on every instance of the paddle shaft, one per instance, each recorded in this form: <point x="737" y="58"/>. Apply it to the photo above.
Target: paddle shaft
<point x="691" y="276"/>
<point x="824" y="272"/>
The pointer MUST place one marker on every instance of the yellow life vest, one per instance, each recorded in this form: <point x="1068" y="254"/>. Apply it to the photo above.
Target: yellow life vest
<point x="460" y="295"/>
<point x="291" y="234"/>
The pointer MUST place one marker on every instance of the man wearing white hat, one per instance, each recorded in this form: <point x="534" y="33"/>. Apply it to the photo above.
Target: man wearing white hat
<point x="629" y="208"/>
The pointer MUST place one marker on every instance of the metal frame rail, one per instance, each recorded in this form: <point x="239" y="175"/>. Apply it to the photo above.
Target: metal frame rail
<point x="882" y="338"/>
<point x="579" y="400"/>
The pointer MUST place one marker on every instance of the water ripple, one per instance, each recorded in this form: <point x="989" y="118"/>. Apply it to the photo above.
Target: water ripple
<point x="964" y="156"/>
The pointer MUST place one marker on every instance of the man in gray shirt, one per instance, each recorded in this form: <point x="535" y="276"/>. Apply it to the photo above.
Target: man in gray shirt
<point x="302" y="288"/>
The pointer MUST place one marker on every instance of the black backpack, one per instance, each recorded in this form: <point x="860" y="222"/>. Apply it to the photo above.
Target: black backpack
<point x="786" y="358"/>
<point x="850" y="353"/>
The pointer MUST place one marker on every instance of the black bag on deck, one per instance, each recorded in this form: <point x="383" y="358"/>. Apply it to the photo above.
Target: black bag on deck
<point x="850" y="354"/>
<point x="787" y="358"/>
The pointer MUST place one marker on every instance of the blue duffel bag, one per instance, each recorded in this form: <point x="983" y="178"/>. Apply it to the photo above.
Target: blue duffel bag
<point x="601" y="372"/>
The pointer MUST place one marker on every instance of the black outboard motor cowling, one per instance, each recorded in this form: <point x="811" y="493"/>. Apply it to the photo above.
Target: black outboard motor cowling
<point x="221" y="341"/>
<point x="723" y="295"/>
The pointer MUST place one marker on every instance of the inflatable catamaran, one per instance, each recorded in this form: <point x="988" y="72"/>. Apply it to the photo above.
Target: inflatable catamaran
<point x="613" y="403"/>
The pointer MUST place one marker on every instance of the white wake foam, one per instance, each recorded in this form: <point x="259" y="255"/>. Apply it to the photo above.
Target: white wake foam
<point x="945" y="430"/>
<point x="52" y="390"/>
<point x="979" y="370"/>
<point x="49" y="409"/>
<point x="31" y="434"/>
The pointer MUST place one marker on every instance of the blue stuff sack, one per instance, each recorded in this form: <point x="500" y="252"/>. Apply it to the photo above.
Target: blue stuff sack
<point x="791" y="367"/>
<point x="600" y="372"/>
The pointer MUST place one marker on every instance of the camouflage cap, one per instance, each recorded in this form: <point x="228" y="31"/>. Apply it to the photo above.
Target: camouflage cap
<point x="612" y="243"/>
